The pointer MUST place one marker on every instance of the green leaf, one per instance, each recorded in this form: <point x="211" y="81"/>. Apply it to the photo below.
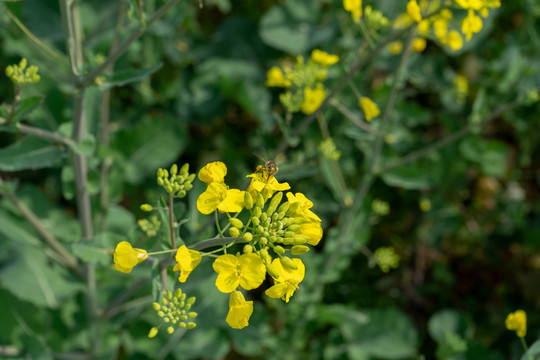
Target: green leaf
<point x="388" y="334"/>
<point x="92" y="254"/>
<point x="534" y="351"/>
<point x="26" y="106"/>
<point x="85" y="147"/>
<point x="30" y="153"/>
<point x="30" y="277"/>
<point x="124" y="77"/>
<point x="449" y="321"/>
<point x="291" y="27"/>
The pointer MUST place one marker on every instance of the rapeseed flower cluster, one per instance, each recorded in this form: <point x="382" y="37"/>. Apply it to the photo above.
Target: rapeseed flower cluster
<point x="303" y="81"/>
<point x="21" y="74"/>
<point x="274" y="233"/>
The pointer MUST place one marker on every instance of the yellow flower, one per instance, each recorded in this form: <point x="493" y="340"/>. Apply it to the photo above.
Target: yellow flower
<point x="395" y="47"/>
<point x="517" y="321"/>
<point x="304" y="204"/>
<point x="313" y="98"/>
<point x="419" y="44"/>
<point x="213" y="172"/>
<point x="287" y="282"/>
<point x="440" y="27"/>
<point x="313" y="231"/>
<point x="454" y="40"/>
<point x="275" y="78"/>
<point x="369" y="108"/>
<point x="219" y="197"/>
<point x="413" y="9"/>
<point x="246" y="270"/>
<point x="126" y="257"/>
<point x="239" y="311"/>
<point x="187" y="262"/>
<point x="354" y="7"/>
<point x="471" y="25"/>
<point x="262" y="183"/>
<point x="323" y="58"/>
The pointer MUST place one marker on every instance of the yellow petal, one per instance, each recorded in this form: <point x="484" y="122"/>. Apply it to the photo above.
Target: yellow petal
<point x="233" y="201"/>
<point x="240" y="311"/>
<point x="213" y="172"/>
<point x="209" y="200"/>
<point x="253" y="271"/>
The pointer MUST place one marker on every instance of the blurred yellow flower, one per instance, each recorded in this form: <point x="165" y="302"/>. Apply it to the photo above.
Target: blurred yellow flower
<point x="517" y="321"/>
<point x="419" y="44"/>
<point x="413" y="9"/>
<point x="454" y="40"/>
<point x="354" y="7"/>
<point x="213" y="172"/>
<point x="313" y="98"/>
<point x="246" y="271"/>
<point x="187" y="262"/>
<point x="369" y="108"/>
<point x="287" y="282"/>
<point x="275" y="78"/>
<point x="471" y="25"/>
<point x="395" y="47"/>
<point x="126" y="257"/>
<point x="323" y="58"/>
<point x="240" y="311"/>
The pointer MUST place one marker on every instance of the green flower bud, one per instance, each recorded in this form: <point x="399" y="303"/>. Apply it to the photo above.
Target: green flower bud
<point x="190" y="178"/>
<point x="299" y="239"/>
<point x="146" y="207"/>
<point x="9" y="71"/>
<point x="192" y="314"/>
<point x="288" y="263"/>
<point x="299" y="249"/>
<point x="164" y="301"/>
<point x="257" y="212"/>
<point x="160" y="314"/>
<point x="188" y="186"/>
<point x="191" y="325"/>
<point x="169" y="295"/>
<point x="248" y="236"/>
<point x="263" y="241"/>
<point x="263" y="253"/>
<point x="166" y="319"/>
<point x="184" y="169"/>
<point x="160" y="181"/>
<point x="234" y="232"/>
<point x="182" y="193"/>
<point x="264" y="217"/>
<point x="284" y="207"/>
<point x="237" y="223"/>
<point x="248" y="249"/>
<point x="292" y="208"/>
<point x="182" y="325"/>
<point x="248" y="200"/>
<point x="156" y="306"/>
<point x="255" y="221"/>
<point x="191" y="300"/>
<point x="289" y="233"/>
<point x="153" y="332"/>
<point x="259" y="201"/>
<point x="287" y="241"/>
<point x="174" y="169"/>
<point x="299" y="220"/>
<point x="170" y="329"/>
<point x="274" y="203"/>
<point x="279" y="250"/>
<point x="294" y="228"/>
<point x="271" y="270"/>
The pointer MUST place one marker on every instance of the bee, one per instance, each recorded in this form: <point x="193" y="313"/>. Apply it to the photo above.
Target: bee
<point x="270" y="167"/>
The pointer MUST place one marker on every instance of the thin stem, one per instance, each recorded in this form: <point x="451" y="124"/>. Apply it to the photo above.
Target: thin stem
<point x="14" y="104"/>
<point x="526" y="348"/>
<point x="45" y="134"/>
<point x="53" y="53"/>
<point x="171" y="221"/>
<point x="205" y="244"/>
<point x="66" y="258"/>
<point x="350" y="116"/>
<point x="124" y="46"/>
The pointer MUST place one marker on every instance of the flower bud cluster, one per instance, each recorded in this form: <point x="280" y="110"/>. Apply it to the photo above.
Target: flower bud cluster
<point x="174" y="311"/>
<point x="272" y="227"/>
<point x="150" y="227"/>
<point x="176" y="183"/>
<point x="386" y="258"/>
<point x="22" y="75"/>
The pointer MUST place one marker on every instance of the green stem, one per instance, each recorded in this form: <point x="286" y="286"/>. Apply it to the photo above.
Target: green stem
<point x="208" y="243"/>
<point x="124" y="46"/>
<point x="45" y="134"/>
<point x="526" y="348"/>
<point x="350" y="116"/>
<point x="171" y="221"/>
<point x="14" y="104"/>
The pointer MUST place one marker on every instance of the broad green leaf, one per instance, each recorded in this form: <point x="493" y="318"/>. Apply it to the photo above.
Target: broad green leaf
<point x="30" y="153"/>
<point x="92" y="254"/>
<point x="26" y="106"/>
<point x="124" y="77"/>
<point x="449" y="321"/>
<point x="388" y="334"/>
<point x="30" y="277"/>
<point x="291" y="26"/>
<point x="16" y="230"/>
<point x="534" y="351"/>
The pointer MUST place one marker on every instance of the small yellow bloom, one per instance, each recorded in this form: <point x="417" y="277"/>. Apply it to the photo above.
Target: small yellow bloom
<point x="126" y="257"/>
<point x="419" y="44"/>
<point x="213" y="172"/>
<point x="304" y="204"/>
<point x="187" y="262"/>
<point x="369" y="108"/>
<point x="413" y="9"/>
<point x="219" y="197"/>
<point x="323" y="58"/>
<point x="275" y="78"/>
<point x="246" y="270"/>
<point x="471" y="25"/>
<point x="517" y="321"/>
<point x="313" y="230"/>
<point x="287" y="282"/>
<point x="262" y="183"/>
<point x="240" y="311"/>
<point x="354" y="7"/>
<point x="454" y="40"/>
<point x="395" y="47"/>
<point x="313" y="98"/>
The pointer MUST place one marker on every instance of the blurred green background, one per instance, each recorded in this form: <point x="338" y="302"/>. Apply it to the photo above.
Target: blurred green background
<point x="191" y="90"/>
